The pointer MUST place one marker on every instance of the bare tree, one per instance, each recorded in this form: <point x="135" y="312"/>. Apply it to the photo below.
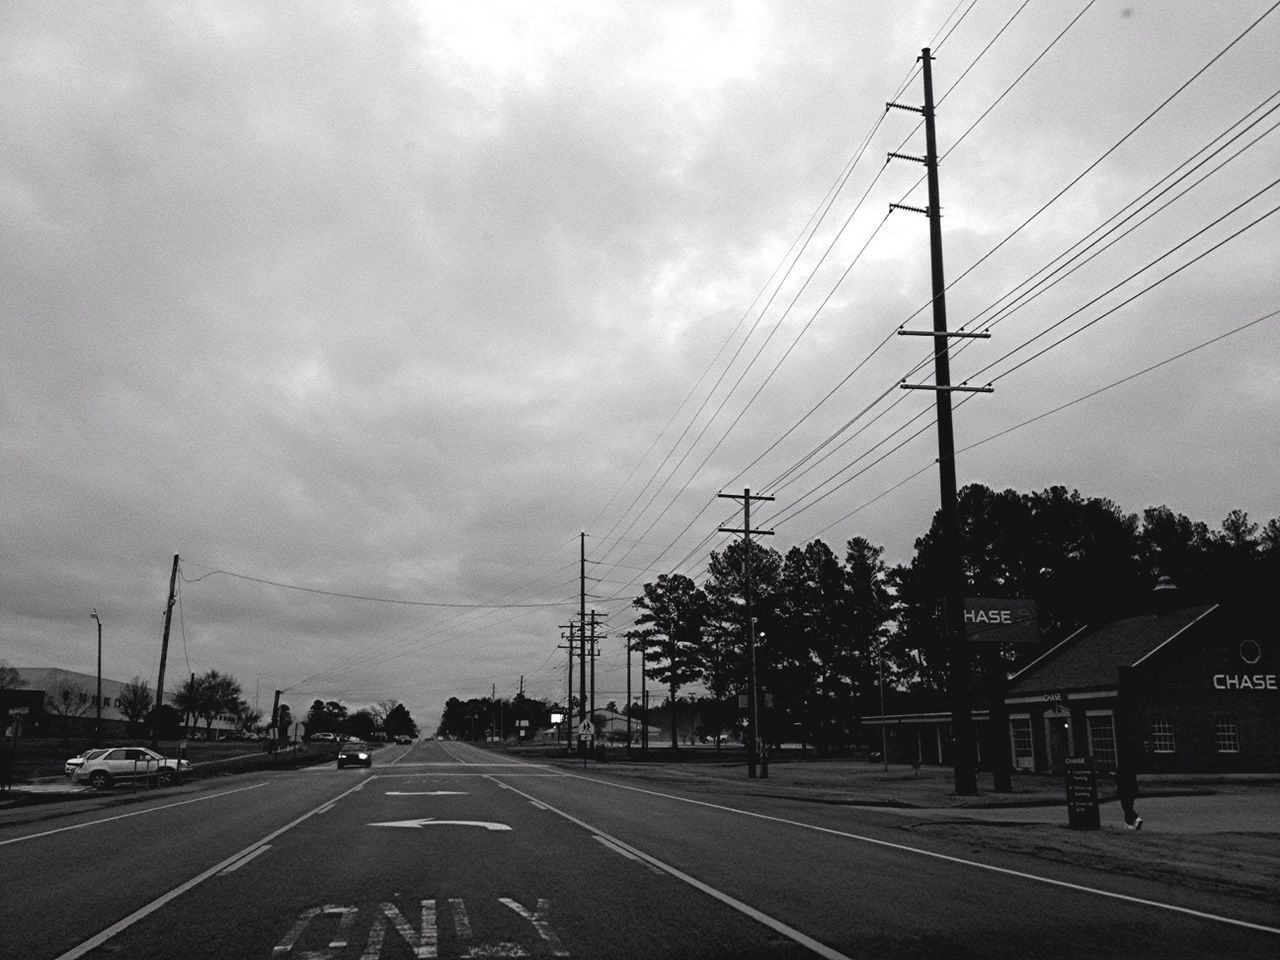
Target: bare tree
<point x="136" y="700"/>
<point x="67" y="701"/>
<point x="10" y="678"/>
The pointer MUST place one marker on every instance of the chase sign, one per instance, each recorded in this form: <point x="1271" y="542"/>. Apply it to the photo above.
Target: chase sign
<point x="996" y="620"/>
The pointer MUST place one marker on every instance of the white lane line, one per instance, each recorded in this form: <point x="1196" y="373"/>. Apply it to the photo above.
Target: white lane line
<point x="541" y="806"/>
<point x="243" y="860"/>
<point x="610" y="845"/>
<point x="326" y="808"/>
<point x="135" y="813"/>
<point x="119" y="926"/>
<point x="889" y="844"/>
<point x="774" y="924"/>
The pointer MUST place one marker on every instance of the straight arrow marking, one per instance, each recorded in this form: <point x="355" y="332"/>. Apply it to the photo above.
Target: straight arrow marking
<point x="432" y="822"/>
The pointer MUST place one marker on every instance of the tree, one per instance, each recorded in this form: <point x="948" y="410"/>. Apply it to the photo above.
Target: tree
<point x="208" y="695"/>
<point x="399" y="722"/>
<point x="67" y="700"/>
<point x="325" y="716"/>
<point x="10" y="678"/>
<point x="361" y="724"/>
<point x="136" y="700"/>
<point x="671" y="624"/>
<point x="284" y="720"/>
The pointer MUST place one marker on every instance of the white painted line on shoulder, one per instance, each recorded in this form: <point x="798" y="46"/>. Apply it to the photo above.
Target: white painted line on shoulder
<point x="326" y="808"/>
<point x="542" y="806"/>
<point x="135" y="813"/>
<point x="120" y="926"/>
<point x="889" y="844"/>
<point x="243" y="860"/>
<point x="426" y="793"/>
<point x="609" y="844"/>
<point x="821" y="949"/>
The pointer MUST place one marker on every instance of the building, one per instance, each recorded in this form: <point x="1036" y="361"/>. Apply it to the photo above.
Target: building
<point x="1177" y="690"/>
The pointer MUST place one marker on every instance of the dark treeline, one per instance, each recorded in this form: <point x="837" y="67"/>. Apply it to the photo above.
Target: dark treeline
<point x="824" y="621"/>
<point x="482" y="717"/>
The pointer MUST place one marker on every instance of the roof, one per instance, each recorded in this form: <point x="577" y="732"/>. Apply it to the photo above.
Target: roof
<point x="1092" y="657"/>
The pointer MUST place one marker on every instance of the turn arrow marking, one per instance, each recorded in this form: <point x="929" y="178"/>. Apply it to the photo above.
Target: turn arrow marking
<point x="432" y="822"/>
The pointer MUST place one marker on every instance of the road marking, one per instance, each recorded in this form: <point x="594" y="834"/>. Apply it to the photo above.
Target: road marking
<point x="121" y="925"/>
<point x="243" y="860"/>
<point x="326" y="808"/>
<point x="433" y="822"/>
<point x="135" y="813"/>
<point x="821" y="949"/>
<point x="535" y="803"/>
<point x="609" y="844"/>
<point x="426" y="793"/>
<point x="889" y="844"/>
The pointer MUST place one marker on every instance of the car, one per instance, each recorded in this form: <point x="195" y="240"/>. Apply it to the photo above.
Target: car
<point x="74" y="764"/>
<point x="324" y="737"/>
<point x="404" y="739"/>
<point x="129" y="764"/>
<point x="355" y="754"/>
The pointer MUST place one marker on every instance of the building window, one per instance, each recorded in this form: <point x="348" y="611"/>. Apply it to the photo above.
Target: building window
<point x="1228" y="735"/>
<point x="1102" y="741"/>
<point x="1162" y="736"/>
<point x="1023" y="753"/>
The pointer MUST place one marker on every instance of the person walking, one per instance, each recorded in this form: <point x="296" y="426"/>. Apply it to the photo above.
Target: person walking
<point x="1127" y="792"/>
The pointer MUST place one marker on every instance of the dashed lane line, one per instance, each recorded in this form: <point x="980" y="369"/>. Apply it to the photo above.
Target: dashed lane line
<point x="134" y="813"/>
<point x="773" y="923"/>
<point x="121" y="925"/>
<point x="977" y="864"/>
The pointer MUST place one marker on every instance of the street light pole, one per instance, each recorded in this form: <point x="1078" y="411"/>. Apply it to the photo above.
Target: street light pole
<point x="97" y="732"/>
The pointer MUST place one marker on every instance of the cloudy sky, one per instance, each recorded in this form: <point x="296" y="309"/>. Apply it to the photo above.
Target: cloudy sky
<point x="393" y="300"/>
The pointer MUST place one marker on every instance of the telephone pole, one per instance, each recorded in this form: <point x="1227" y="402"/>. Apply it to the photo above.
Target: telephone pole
<point x="164" y="653"/>
<point x="582" y="630"/>
<point x="755" y="746"/>
<point x="963" y="759"/>
<point x="568" y="706"/>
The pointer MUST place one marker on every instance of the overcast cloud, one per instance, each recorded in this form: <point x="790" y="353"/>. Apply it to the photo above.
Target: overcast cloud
<point x="393" y="299"/>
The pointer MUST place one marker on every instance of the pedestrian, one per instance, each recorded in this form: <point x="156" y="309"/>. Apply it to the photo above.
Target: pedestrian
<point x="1127" y="791"/>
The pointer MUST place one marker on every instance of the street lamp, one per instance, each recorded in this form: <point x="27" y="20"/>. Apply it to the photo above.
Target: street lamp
<point x="97" y="732"/>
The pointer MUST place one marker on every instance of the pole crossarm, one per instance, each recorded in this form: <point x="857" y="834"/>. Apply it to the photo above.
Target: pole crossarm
<point x="947" y="388"/>
<point x="959" y="334"/>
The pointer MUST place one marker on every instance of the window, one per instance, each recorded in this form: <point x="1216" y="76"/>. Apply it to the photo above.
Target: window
<point x="1023" y="753"/>
<point x="1102" y="740"/>
<point x="1228" y="735"/>
<point x="1162" y="736"/>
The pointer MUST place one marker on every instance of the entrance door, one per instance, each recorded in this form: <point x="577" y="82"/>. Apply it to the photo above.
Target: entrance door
<point x="1057" y="737"/>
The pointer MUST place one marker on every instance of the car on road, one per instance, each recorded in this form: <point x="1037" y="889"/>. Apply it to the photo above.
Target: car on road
<point x="74" y="764"/>
<point x="355" y="754"/>
<point x="324" y="737"/>
<point x="404" y="739"/>
<point x="129" y="765"/>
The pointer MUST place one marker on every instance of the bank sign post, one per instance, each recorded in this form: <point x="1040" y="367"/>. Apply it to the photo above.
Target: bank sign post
<point x="1000" y="620"/>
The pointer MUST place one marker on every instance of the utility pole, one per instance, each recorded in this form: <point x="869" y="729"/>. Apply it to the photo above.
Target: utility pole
<point x="97" y="730"/>
<point x="963" y="759"/>
<point x="755" y="747"/>
<point x="594" y="652"/>
<point x="628" y="639"/>
<point x="164" y="653"/>
<point x="582" y="631"/>
<point x="275" y="722"/>
<point x="568" y="707"/>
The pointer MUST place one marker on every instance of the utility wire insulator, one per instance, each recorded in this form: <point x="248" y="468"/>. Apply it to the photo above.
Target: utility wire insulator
<point x="962" y="334"/>
<point x="902" y="106"/>
<point x="903" y="206"/>
<point x="893" y="154"/>
<point x="949" y="388"/>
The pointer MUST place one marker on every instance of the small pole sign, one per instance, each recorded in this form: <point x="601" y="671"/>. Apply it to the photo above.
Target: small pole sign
<point x="1082" y="794"/>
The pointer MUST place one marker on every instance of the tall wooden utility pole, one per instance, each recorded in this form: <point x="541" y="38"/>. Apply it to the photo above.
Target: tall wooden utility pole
<point x="164" y="653"/>
<point x="582" y="631"/>
<point x="756" y="757"/>
<point x="963" y="759"/>
<point x="568" y="705"/>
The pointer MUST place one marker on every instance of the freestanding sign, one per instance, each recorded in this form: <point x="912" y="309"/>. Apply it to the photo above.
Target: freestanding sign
<point x="1000" y="620"/>
<point x="1082" y="794"/>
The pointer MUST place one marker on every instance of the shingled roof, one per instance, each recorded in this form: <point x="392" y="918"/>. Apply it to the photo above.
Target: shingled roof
<point x="1092" y="657"/>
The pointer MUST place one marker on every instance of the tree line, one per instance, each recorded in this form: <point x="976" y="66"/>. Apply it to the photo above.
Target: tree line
<point x="827" y="625"/>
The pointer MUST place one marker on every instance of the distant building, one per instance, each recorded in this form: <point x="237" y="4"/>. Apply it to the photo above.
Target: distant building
<point x="1180" y="689"/>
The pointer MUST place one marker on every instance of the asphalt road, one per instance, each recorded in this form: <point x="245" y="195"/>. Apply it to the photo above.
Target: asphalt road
<point x="446" y="850"/>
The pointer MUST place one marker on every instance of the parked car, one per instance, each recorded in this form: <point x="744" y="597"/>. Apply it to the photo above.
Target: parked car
<point x="404" y="739"/>
<point x="129" y="764"/>
<point x="324" y="737"/>
<point x="355" y="754"/>
<point x="74" y="764"/>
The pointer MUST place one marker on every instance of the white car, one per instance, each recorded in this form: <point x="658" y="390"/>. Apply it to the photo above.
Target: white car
<point x="74" y="764"/>
<point x="126" y="764"/>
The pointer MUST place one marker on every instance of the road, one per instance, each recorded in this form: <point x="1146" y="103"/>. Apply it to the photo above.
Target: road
<point x="447" y="850"/>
